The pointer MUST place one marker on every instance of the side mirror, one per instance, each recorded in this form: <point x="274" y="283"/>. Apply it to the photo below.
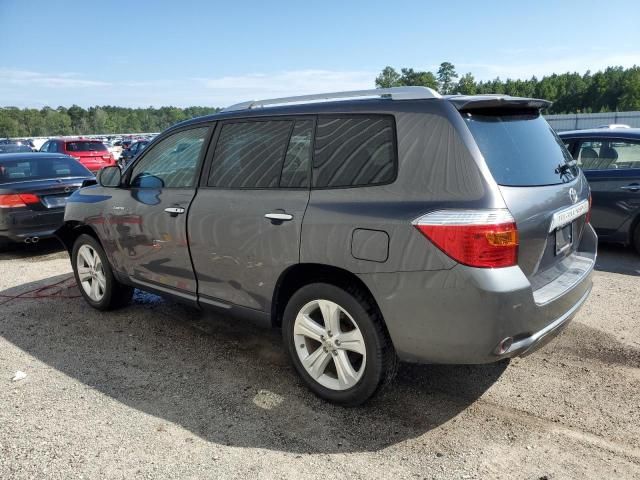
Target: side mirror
<point x="110" y="176"/>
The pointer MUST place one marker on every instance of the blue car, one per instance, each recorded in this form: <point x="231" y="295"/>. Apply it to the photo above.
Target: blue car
<point x="610" y="159"/>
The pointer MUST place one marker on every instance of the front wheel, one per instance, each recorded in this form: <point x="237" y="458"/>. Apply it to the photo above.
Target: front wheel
<point x="94" y="276"/>
<point x="337" y="343"/>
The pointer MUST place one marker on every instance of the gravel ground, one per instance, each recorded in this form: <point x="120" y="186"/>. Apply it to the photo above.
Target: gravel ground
<point x="157" y="390"/>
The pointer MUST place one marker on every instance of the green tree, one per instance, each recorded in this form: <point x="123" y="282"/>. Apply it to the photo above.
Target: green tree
<point x="446" y="77"/>
<point x="388" y="78"/>
<point x="466" y="85"/>
<point x="411" y="77"/>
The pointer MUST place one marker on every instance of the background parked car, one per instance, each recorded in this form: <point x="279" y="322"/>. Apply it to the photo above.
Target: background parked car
<point x="14" y="142"/>
<point x="130" y="153"/>
<point x="14" y="148"/>
<point x="610" y="159"/>
<point x="33" y="191"/>
<point x="91" y="153"/>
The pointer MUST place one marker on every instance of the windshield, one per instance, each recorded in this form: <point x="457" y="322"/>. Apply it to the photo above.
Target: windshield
<point x="39" y="169"/>
<point x="85" y="147"/>
<point x="521" y="149"/>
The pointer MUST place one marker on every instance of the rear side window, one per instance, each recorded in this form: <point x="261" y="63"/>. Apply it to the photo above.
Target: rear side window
<point x="85" y="147"/>
<point x="295" y="170"/>
<point x="250" y="154"/>
<point x="521" y="149"/>
<point x="608" y="154"/>
<point x="354" y="151"/>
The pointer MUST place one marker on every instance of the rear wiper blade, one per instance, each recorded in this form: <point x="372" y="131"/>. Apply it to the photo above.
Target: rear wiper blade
<point x="562" y="169"/>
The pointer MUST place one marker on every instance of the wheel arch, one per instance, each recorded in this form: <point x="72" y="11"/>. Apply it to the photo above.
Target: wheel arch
<point x="71" y="230"/>
<point x="301" y="274"/>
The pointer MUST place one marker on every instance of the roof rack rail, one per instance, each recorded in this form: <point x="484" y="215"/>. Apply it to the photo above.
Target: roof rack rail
<point x="395" y="93"/>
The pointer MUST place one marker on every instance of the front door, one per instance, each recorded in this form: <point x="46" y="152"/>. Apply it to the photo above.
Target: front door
<point x="246" y="219"/>
<point x="161" y="186"/>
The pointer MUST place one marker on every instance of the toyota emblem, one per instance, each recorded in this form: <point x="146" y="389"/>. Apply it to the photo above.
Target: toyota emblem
<point x="573" y="195"/>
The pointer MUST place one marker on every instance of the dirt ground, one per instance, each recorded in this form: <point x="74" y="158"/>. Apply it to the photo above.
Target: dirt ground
<point x="157" y="390"/>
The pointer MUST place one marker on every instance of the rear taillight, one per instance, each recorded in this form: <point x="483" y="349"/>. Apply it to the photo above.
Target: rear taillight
<point x="477" y="238"/>
<point x="17" y="200"/>
<point x="588" y="218"/>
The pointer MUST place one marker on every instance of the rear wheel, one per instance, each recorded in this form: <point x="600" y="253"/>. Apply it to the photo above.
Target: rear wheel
<point x="94" y="276"/>
<point x="337" y="343"/>
<point x="636" y="238"/>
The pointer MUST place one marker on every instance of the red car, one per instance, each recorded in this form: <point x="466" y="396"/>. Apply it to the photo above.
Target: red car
<point x="90" y="153"/>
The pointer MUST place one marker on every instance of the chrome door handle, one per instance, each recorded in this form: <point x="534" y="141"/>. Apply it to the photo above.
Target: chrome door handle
<point x="281" y="217"/>
<point x="174" y="210"/>
<point x="632" y="187"/>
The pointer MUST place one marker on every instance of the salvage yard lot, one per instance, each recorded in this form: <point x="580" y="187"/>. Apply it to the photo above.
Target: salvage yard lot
<point x="158" y="390"/>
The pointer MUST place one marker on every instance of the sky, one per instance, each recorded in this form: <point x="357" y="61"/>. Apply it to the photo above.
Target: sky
<point x="214" y="53"/>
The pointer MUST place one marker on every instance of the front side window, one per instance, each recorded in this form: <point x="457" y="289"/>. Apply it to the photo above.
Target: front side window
<point x="250" y="154"/>
<point x="171" y="163"/>
<point x="608" y="154"/>
<point x="354" y="151"/>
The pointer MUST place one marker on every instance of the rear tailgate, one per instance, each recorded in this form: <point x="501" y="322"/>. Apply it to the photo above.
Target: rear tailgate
<point x="540" y="184"/>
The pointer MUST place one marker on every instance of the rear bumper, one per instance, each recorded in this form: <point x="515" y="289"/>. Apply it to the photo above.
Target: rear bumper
<point x="20" y="226"/>
<point x="463" y="315"/>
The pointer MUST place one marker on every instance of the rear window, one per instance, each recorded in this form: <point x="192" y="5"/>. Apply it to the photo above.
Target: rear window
<point x="521" y="149"/>
<point x="39" y="169"/>
<point x="85" y="147"/>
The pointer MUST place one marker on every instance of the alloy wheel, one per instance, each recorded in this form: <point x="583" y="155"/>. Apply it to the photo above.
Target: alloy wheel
<point x="329" y="344"/>
<point x="91" y="273"/>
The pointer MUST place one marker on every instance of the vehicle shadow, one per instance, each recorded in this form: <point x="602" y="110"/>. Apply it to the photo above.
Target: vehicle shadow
<point x="34" y="251"/>
<point x="615" y="258"/>
<point x="224" y="380"/>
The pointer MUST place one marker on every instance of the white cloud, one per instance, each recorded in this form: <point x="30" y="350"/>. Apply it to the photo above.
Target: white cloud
<point x="522" y="70"/>
<point x="237" y="88"/>
<point x="58" y="80"/>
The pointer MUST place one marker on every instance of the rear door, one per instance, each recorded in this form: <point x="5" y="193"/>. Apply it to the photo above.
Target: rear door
<point x="612" y="167"/>
<point x="538" y="180"/>
<point x="150" y="217"/>
<point x="245" y="222"/>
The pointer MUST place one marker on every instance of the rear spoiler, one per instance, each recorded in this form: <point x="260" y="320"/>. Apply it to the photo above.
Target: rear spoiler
<point x="481" y="102"/>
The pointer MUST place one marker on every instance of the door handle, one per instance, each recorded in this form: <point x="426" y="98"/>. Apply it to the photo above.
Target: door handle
<point x="634" y="187"/>
<point x="279" y="217"/>
<point x="174" y="210"/>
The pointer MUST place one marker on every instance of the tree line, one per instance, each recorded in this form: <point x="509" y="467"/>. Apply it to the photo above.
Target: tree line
<point x="75" y="120"/>
<point x="611" y="90"/>
<point x="614" y="89"/>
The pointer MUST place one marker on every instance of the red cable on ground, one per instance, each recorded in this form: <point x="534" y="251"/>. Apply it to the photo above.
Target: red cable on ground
<point x="38" y="292"/>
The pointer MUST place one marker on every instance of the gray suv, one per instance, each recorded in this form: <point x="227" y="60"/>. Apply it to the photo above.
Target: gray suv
<point x="398" y="226"/>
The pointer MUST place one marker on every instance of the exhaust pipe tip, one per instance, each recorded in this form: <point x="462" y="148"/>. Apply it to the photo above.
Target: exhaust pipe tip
<point x="504" y="346"/>
<point x="32" y="240"/>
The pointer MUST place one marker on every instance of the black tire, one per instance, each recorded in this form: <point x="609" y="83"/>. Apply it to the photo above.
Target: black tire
<point x="381" y="359"/>
<point x="115" y="294"/>
<point x="636" y="238"/>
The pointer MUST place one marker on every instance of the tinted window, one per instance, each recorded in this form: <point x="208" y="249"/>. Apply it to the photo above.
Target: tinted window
<point x="85" y="147"/>
<point x="35" y="169"/>
<point x="250" y="154"/>
<point x="354" y="151"/>
<point x="53" y="147"/>
<point x="172" y="163"/>
<point x="521" y="149"/>
<point x="295" y="170"/>
<point x="608" y="154"/>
